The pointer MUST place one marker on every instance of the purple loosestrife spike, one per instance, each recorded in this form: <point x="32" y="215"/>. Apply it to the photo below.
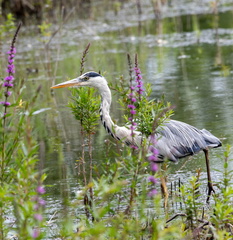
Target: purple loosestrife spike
<point x="8" y="80"/>
<point x="132" y="108"/>
<point x="138" y="80"/>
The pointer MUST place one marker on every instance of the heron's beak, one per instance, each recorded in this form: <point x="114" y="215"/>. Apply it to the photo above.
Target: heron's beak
<point x="70" y="83"/>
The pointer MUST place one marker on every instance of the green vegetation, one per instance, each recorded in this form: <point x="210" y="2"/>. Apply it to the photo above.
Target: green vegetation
<point x="118" y="197"/>
<point x="21" y="184"/>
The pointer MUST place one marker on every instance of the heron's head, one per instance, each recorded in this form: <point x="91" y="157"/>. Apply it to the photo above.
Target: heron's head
<point x="89" y="79"/>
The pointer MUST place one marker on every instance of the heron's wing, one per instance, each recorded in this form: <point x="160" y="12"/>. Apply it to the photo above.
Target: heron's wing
<point x="177" y="139"/>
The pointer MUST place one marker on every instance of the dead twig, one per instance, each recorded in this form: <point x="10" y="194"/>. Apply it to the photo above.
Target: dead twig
<point x="177" y="215"/>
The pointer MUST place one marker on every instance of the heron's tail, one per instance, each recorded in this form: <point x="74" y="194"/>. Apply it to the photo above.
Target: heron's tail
<point x="210" y="139"/>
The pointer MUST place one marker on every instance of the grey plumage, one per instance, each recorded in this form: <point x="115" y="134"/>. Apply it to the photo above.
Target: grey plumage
<point x="178" y="139"/>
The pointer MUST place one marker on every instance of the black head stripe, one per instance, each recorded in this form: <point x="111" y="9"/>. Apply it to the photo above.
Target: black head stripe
<point x="92" y="74"/>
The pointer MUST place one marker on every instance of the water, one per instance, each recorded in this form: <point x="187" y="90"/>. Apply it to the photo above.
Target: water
<point x="186" y="55"/>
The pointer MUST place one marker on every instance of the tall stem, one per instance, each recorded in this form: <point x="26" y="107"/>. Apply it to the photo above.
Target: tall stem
<point x="91" y="170"/>
<point x="7" y="84"/>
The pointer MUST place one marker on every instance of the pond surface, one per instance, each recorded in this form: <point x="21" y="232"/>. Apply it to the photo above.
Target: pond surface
<point x="185" y="54"/>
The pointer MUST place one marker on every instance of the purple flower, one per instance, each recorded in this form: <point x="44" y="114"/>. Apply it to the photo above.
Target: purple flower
<point x="134" y="147"/>
<point x="6" y="104"/>
<point x="9" y="78"/>
<point x="131" y="106"/>
<point x="40" y="190"/>
<point x="137" y="70"/>
<point x="10" y="60"/>
<point x="134" y="123"/>
<point x="41" y="202"/>
<point x="35" y="233"/>
<point x="153" y="150"/>
<point x="8" y="85"/>
<point x="152" y="158"/>
<point x="135" y="91"/>
<point x="140" y="91"/>
<point x="10" y="69"/>
<point x="38" y="217"/>
<point x="139" y="81"/>
<point x="152" y="193"/>
<point x="152" y="179"/>
<point x="12" y="51"/>
<point x="154" y="167"/>
<point x="36" y="207"/>
<point x="132" y="112"/>
<point x="7" y="93"/>
<point x="132" y="127"/>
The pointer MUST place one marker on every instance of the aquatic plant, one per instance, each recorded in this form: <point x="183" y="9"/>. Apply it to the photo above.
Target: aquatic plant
<point x="8" y="80"/>
<point x="19" y="177"/>
<point x="85" y="107"/>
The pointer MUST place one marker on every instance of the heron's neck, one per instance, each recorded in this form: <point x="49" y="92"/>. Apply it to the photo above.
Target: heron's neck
<point x="105" y="111"/>
<point x="117" y="132"/>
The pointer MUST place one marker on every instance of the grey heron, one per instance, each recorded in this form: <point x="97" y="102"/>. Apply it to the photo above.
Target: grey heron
<point x="174" y="140"/>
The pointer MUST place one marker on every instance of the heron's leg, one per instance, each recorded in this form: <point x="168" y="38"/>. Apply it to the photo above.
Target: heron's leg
<point x="163" y="179"/>
<point x="210" y="184"/>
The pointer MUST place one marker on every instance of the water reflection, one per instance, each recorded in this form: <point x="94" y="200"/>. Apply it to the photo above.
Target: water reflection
<point x="182" y="55"/>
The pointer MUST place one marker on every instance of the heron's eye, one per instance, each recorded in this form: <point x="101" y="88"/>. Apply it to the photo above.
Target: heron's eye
<point x="85" y="78"/>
